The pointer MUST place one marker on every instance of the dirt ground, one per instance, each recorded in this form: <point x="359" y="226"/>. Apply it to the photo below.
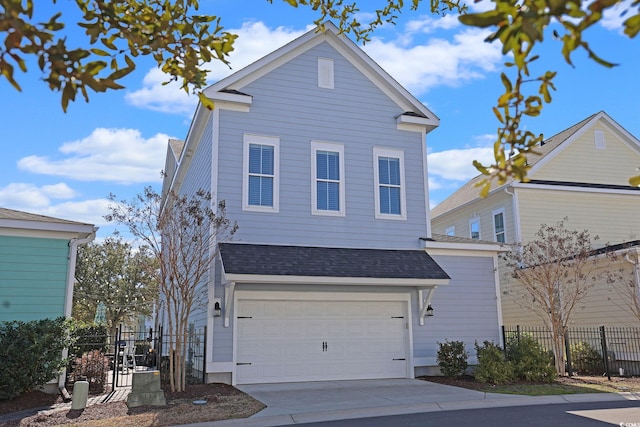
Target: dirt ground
<point x="223" y="402"/>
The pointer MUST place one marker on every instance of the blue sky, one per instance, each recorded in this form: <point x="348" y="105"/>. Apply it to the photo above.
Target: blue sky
<point x="65" y="165"/>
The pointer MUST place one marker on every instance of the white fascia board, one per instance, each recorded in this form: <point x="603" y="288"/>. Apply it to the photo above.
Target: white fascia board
<point x="18" y="227"/>
<point x="407" y="121"/>
<point x="230" y="97"/>
<point x="463" y="249"/>
<point x="326" y="280"/>
<point x="574" y="189"/>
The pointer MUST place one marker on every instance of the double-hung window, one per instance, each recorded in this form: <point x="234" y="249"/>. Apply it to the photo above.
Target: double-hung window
<point x="499" y="226"/>
<point x="260" y="173"/>
<point x="390" y="191"/>
<point x="327" y="188"/>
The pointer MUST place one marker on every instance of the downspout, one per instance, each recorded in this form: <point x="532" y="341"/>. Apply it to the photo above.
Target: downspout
<point x="516" y="212"/>
<point x="68" y="300"/>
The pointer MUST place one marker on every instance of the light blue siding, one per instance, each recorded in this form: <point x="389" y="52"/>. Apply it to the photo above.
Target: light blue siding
<point x="464" y="310"/>
<point x="33" y="277"/>
<point x="287" y="103"/>
<point x="199" y="178"/>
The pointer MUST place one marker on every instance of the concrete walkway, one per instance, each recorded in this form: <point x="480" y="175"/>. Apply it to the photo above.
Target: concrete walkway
<point x="294" y="403"/>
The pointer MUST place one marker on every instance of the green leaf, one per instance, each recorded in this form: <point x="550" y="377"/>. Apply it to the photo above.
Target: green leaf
<point x="206" y="102"/>
<point x="482" y="20"/>
<point x="634" y="181"/>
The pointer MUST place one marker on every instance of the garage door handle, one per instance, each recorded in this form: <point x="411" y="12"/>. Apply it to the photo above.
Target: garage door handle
<point x="243" y="363"/>
<point x="399" y="359"/>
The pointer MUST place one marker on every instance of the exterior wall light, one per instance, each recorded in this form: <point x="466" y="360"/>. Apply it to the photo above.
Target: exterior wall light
<point x="217" y="310"/>
<point x="429" y="310"/>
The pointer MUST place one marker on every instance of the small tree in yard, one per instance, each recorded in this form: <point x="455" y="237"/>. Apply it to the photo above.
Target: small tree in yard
<point x="181" y="232"/>
<point x="553" y="273"/>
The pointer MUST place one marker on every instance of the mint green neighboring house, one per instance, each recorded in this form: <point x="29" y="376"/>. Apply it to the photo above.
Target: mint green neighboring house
<point x="37" y="264"/>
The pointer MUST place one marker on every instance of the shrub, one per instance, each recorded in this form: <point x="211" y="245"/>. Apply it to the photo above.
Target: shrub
<point x="452" y="358"/>
<point x="31" y="354"/>
<point x="585" y="359"/>
<point x="94" y="367"/>
<point x="492" y="365"/>
<point x="530" y="361"/>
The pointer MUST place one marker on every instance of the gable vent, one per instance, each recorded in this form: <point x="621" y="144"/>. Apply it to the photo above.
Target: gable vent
<point x="599" y="138"/>
<point x="325" y="73"/>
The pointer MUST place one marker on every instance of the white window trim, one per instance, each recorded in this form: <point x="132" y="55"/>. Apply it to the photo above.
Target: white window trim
<point x="493" y="223"/>
<point x="385" y="152"/>
<point x="475" y="221"/>
<point x="325" y="73"/>
<point x="327" y="146"/>
<point x="261" y="140"/>
<point x="450" y="230"/>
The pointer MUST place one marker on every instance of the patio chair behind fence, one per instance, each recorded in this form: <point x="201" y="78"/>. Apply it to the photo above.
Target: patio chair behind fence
<point x="590" y="351"/>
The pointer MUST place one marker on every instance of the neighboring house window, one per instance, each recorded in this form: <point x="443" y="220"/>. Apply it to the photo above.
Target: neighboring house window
<point x="327" y="179"/>
<point x="450" y="231"/>
<point x="390" y="190"/>
<point x="499" y="226"/>
<point x="325" y="73"/>
<point x="474" y="228"/>
<point x="260" y="173"/>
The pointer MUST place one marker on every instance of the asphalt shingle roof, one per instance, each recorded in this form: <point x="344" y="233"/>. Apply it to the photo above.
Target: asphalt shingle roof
<point x="10" y="214"/>
<point x="272" y="260"/>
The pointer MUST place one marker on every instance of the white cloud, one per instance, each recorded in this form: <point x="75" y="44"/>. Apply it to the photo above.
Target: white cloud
<point x="613" y="17"/>
<point x="114" y="155"/>
<point x="254" y="41"/>
<point x="437" y="62"/>
<point x="428" y="24"/>
<point x="40" y="200"/>
<point x="87" y="211"/>
<point x="457" y="165"/>
<point x="165" y="98"/>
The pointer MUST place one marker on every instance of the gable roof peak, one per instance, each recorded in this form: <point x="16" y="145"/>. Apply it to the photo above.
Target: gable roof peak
<point x="330" y="33"/>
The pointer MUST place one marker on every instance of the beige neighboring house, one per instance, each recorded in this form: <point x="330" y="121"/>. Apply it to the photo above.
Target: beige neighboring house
<point x="582" y="174"/>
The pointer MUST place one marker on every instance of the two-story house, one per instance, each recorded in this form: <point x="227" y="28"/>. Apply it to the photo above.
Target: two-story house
<point x="321" y="159"/>
<point x="580" y="174"/>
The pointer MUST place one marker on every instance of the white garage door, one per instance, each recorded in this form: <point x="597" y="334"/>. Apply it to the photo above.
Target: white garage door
<point x="293" y="340"/>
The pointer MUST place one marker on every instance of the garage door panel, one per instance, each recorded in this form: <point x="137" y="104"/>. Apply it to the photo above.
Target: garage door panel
<point x="296" y="340"/>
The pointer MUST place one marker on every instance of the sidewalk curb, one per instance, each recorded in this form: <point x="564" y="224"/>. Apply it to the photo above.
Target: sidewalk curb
<point x="491" y="400"/>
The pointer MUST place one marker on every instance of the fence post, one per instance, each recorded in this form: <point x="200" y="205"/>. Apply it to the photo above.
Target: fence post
<point x="605" y="355"/>
<point x="518" y="333"/>
<point x="204" y="357"/>
<point x="114" y="380"/>
<point x="504" y="342"/>
<point x="567" y="349"/>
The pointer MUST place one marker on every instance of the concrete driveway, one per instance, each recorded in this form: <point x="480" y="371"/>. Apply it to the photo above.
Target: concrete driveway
<point x="330" y="396"/>
<point x="293" y="403"/>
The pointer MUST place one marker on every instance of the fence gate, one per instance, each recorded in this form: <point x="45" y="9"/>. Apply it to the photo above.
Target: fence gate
<point x="133" y="350"/>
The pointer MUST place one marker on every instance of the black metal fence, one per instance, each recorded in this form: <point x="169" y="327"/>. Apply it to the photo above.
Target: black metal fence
<point x="196" y="345"/>
<point x="108" y="361"/>
<point x="590" y="351"/>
